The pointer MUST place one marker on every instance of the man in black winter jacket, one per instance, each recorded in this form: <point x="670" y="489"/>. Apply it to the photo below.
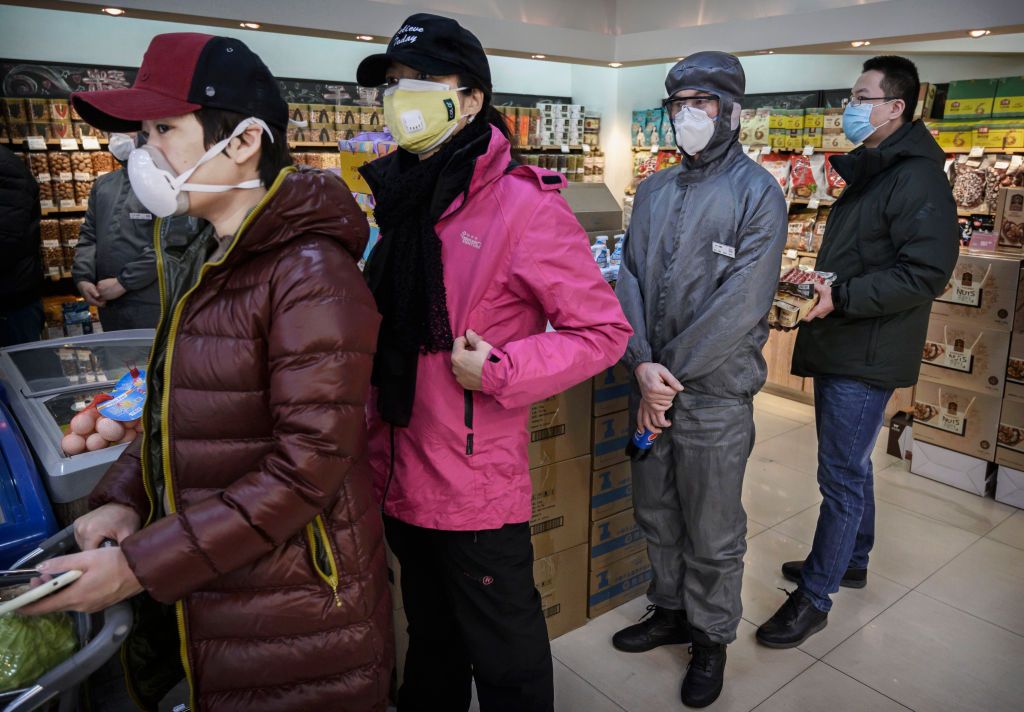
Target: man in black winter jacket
<point x="892" y="240"/>
<point x="21" y="269"/>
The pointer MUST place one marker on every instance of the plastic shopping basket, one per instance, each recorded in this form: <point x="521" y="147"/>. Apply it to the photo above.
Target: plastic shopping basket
<point x="99" y="638"/>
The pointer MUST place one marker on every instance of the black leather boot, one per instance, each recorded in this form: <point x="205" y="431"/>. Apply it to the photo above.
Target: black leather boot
<point x="706" y="672"/>
<point x="796" y="621"/>
<point x="853" y="578"/>
<point x="659" y="626"/>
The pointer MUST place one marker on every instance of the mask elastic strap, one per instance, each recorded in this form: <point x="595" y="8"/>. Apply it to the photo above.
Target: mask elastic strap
<point x="180" y="181"/>
<point x="205" y="188"/>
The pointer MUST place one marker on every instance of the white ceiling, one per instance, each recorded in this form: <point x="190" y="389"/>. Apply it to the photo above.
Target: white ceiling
<point x="633" y="31"/>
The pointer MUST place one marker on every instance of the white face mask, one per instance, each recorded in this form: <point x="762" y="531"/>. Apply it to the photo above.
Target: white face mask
<point x="694" y="129"/>
<point x="121" y="145"/>
<point x="163" y="191"/>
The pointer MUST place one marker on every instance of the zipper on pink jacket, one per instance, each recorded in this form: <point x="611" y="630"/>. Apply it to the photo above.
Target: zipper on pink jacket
<point x="468" y="398"/>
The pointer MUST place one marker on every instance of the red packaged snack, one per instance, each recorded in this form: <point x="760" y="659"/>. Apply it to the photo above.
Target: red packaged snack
<point x="802" y="183"/>
<point x="836" y="184"/>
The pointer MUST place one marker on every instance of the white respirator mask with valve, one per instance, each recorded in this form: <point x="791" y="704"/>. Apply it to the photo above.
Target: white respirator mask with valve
<point x="163" y="191"/>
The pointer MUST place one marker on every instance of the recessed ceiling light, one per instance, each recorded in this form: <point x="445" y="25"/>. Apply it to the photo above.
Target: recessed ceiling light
<point x="364" y="38"/>
<point x="860" y="43"/>
<point x="680" y="59"/>
<point x="765" y="51"/>
<point x="538" y="56"/>
<point x="979" y="33"/>
<point x="615" y="65"/>
<point x="115" y="11"/>
<point x="250" y="25"/>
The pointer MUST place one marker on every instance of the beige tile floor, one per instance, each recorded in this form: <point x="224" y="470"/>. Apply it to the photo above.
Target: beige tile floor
<point x="940" y="625"/>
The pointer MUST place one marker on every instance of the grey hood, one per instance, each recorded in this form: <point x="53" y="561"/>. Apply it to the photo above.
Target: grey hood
<point x="720" y="74"/>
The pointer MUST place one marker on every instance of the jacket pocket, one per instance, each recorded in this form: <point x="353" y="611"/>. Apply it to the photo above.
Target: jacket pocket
<point x="322" y="556"/>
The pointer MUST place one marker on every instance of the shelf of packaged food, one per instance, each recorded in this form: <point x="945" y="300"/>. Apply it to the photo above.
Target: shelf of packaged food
<point x="968" y="212"/>
<point x="313" y="144"/>
<point x="772" y="150"/>
<point x="822" y="202"/>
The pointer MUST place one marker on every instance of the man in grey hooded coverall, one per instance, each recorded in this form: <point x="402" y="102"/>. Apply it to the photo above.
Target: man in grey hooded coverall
<point x="698" y="275"/>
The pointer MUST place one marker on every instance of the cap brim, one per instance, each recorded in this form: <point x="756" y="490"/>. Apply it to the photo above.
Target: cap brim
<point x="373" y="70"/>
<point x="126" y="109"/>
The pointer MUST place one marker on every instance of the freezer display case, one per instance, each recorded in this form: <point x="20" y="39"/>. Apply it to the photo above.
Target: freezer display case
<point x="46" y="383"/>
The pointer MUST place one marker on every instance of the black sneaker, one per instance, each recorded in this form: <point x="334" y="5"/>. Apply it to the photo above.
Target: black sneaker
<point x="659" y="626"/>
<point x="796" y="621"/>
<point x="853" y="578"/>
<point x="704" y="675"/>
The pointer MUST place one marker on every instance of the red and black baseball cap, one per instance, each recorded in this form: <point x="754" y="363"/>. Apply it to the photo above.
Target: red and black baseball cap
<point x="183" y="72"/>
<point x="431" y="44"/>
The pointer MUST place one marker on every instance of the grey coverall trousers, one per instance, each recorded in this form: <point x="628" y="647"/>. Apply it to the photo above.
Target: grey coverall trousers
<point x="686" y="495"/>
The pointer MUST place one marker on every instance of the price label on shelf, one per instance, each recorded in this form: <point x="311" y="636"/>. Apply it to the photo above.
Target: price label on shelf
<point x="565" y="148"/>
<point x="765" y="150"/>
<point x="813" y="203"/>
<point x="36" y="143"/>
<point x="69" y="144"/>
<point x="90" y="143"/>
<point x="65" y="176"/>
<point x="977" y="152"/>
<point x="65" y="204"/>
<point x="791" y="254"/>
<point x="808" y="150"/>
<point x="43" y="178"/>
<point x="82" y="177"/>
<point x="46" y="205"/>
<point x="586" y="148"/>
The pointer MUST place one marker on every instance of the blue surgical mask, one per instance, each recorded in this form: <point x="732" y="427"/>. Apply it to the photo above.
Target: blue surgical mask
<point x="857" y="121"/>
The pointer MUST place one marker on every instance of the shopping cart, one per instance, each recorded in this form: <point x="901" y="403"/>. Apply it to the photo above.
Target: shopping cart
<point x="99" y="637"/>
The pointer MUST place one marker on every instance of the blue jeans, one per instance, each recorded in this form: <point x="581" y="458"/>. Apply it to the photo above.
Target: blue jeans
<point x="849" y="416"/>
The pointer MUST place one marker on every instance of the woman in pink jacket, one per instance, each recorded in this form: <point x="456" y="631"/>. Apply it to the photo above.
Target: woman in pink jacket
<point x="477" y="256"/>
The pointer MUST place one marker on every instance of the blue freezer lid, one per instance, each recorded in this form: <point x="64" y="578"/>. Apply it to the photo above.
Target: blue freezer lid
<point x="25" y="515"/>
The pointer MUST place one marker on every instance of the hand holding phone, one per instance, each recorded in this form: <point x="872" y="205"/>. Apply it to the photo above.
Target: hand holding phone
<point x="31" y="594"/>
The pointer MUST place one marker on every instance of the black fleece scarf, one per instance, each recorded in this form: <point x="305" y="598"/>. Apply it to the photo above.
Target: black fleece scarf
<point x="405" y="271"/>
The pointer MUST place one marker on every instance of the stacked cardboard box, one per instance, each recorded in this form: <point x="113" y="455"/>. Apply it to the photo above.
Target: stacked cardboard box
<point x="965" y="374"/>
<point x="619" y="568"/>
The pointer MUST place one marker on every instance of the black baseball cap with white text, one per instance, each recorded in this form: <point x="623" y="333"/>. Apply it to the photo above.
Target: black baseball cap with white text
<point x="430" y="44"/>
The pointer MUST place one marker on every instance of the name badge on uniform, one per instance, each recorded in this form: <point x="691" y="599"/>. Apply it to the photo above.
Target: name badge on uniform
<point x="719" y="249"/>
<point x="140" y="216"/>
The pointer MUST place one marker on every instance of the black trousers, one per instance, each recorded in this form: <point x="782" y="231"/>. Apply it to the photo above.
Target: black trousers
<point x="474" y="614"/>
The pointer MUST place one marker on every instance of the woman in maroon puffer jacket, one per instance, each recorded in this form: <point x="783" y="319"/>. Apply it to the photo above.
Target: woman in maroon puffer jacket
<point x="258" y="522"/>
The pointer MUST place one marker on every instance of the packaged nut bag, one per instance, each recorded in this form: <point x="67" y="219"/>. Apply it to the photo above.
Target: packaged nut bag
<point x="801" y="230"/>
<point x="779" y="166"/>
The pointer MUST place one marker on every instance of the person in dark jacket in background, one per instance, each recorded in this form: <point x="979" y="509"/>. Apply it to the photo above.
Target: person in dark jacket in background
<point x="21" y="268"/>
<point x="892" y="240"/>
<point x="115" y="266"/>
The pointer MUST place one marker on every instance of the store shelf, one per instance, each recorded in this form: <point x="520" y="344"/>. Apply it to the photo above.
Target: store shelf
<point x="58" y="211"/>
<point x="49" y="142"/>
<point x="313" y="144"/>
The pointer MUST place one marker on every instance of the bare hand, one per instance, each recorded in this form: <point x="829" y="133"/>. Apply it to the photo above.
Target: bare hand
<point x="91" y="294"/>
<point x="657" y="385"/>
<point x="468" y="356"/>
<point x="824" y="306"/>
<point x="110" y="289"/>
<point x="111" y="521"/>
<point x="651" y="418"/>
<point x="106" y="579"/>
